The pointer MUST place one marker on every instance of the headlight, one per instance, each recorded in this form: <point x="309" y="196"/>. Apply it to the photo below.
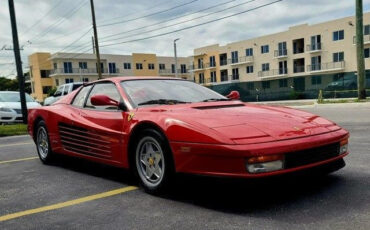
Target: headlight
<point x="266" y="163"/>
<point x="343" y="146"/>
<point x="3" y="109"/>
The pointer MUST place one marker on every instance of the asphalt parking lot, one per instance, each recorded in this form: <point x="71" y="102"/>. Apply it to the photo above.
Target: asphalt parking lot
<point x="76" y="194"/>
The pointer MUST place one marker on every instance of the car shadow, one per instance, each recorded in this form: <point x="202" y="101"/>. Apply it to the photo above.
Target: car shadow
<point x="236" y="196"/>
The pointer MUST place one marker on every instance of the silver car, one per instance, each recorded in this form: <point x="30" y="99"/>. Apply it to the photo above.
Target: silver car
<point x="10" y="106"/>
<point x="62" y="90"/>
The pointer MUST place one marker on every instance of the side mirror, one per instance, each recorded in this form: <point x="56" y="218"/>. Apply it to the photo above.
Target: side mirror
<point x="103" y="100"/>
<point x="234" y="95"/>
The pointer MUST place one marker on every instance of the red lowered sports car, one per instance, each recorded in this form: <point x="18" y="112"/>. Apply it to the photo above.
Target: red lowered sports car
<point x="159" y="126"/>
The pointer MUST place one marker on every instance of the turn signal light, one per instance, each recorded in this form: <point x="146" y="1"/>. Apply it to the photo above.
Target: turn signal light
<point x="266" y="158"/>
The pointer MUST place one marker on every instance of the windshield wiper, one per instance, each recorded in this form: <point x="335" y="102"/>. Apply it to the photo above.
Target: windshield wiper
<point x="162" y="102"/>
<point x="216" y="99"/>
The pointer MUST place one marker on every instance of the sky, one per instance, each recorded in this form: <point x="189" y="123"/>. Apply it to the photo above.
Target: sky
<point x="124" y="26"/>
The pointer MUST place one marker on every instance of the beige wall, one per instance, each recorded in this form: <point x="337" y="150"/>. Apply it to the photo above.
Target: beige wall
<point x="145" y="60"/>
<point x="38" y="62"/>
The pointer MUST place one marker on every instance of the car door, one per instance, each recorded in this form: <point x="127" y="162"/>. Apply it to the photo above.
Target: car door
<point x="95" y="131"/>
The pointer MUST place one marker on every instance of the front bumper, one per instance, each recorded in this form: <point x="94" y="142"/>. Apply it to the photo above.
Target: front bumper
<point x="10" y="117"/>
<point x="230" y="160"/>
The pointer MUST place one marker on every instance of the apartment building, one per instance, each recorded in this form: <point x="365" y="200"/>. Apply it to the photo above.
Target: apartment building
<point x="304" y="57"/>
<point x="50" y="70"/>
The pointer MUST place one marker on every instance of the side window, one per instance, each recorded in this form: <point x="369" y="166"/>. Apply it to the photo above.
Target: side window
<point x="66" y="89"/>
<point x="108" y="89"/>
<point x="81" y="96"/>
<point x="59" y="91"/>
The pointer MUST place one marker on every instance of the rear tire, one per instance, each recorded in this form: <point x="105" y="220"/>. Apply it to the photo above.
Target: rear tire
<point x="153" y="161"/>
<point x="43" y="143"/>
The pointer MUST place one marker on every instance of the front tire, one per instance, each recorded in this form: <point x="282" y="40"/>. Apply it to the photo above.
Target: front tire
<point x="153" y="162"/>
<point x="43" y="143"/>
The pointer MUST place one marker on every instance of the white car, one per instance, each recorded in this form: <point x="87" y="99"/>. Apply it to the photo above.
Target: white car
<point x="10" y="106"/>
<point x="62" y="91"/>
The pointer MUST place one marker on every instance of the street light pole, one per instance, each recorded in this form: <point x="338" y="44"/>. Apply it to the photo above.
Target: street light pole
<point x="175" y="50"/>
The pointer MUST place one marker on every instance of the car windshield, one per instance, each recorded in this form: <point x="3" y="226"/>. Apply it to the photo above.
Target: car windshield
<point x="13" y="97"/>
<point x="157" y="91"/>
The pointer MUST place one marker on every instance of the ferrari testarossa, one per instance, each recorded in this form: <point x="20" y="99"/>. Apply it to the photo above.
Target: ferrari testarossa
<point x="159" y="126"/>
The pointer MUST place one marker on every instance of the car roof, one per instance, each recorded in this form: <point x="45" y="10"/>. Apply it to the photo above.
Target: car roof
<point x="129" y="78"/>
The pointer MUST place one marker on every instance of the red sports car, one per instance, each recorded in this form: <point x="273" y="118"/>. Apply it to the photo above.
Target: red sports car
<point x="159" y="126"/>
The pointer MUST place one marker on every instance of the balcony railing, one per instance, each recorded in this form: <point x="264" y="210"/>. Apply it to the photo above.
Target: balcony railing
<point x="197" y="67"/>
<point x="172" y="71"/>
<point x="234" y="77"/>
<point x="272" y="72"/>
<point x="281" y="53"/>
<point x="366" y="39"/>
<point x="315" y="47"/>
<point x="240" y="60"/>
<point x="210" y="65"/>
<point x="322" y="67"/>
<point x="76" y="71"/>
<point x="298" y="69"/>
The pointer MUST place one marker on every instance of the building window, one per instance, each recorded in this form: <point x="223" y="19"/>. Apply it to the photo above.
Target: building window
<point x="250" y="69"/>
<point x="265" y="66"/>
<point x="283" y="83"/>
<point x="126" y="65"/>
<point x="338" y="35"/>
<point x="200" y="63"/>
<point x="367" y="52"/>
<point x="249" y="52"/>
<point x="183" y="68"/>
<point x="44" y="73"/>
<point x="162" y="66"/>
<point x="150" y="66"/>
<point x="139" y="66"/>
<point x="85" y="79"/>
<point x="315" y="63"/>
<point x="173" y="68"/>
<point x="264" y="49"/>
<point x="282" y="51"/>
<point x="68" y="80"/>
<point x="250" y="85"/>
<point x="213" y="76"/>
<point x="315" y="43"/>
<point x="57" y="82"/>
<point x="46" y="89"/>
<point x="82" y="65"/>
<point x="234" y="57"/>
<point x="55" y="66"/>
<point x="235" y="74"/>
<point x="201" y="78"/>
<point x="265" y="85"/>
<point x="316" y="80"/>
<point x="337" y="57"/>
<point x="366" y="29"/>
<point x="283" y="67"/>
<point x="67" y="67"/>
<point x="212" y="61"/>
<point x="112" y="67"/>
<point x="224" y="76"/>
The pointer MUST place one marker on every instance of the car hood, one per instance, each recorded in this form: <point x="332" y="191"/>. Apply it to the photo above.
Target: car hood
<point x="17" y="105"/>
<point x="248" y="123"/>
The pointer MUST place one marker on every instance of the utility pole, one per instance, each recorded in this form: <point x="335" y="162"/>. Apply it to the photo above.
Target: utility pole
<point x="18" y="61"/>
<point x="175" y="50"/>
<point x="360" y="51"/>
<point x="98" y="67"/>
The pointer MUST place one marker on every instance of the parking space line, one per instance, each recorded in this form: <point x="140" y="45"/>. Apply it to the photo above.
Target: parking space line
<point x="67" y="203"/>
<point x="21" y="159"/>
<point x="16" y="144"/>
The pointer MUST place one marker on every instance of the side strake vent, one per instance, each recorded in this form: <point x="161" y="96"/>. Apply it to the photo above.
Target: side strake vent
<point x="218" y="106"/>
<point x="80" y="140"/>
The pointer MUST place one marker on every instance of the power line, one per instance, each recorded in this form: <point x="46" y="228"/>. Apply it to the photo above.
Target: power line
<point x="38" y="21"/>
<point x="171" y="19"/>
<point x="185" y="21"/>
<point x="150" y="8"/>
<point x="57" y="23"/>
<point x="148" y="15"/>
<point x="190" y="27"/>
